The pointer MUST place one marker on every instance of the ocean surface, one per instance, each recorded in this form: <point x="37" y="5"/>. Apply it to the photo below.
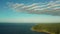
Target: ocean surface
<point x="17" y="28"/>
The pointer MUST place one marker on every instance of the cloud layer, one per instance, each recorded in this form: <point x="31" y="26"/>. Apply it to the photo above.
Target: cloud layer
<point x="50" y="8"/>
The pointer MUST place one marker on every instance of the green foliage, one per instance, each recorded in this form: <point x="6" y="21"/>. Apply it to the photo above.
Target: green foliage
<point x="47" y="27"/>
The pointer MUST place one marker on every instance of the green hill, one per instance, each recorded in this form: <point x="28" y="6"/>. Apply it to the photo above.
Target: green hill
<point x="52" y="28"/>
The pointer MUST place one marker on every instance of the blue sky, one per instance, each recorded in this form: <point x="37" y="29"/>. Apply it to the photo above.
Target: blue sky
<point x="30" y="11"/>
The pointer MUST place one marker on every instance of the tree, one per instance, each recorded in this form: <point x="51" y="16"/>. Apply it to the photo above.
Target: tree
<point x="52" y="28"/>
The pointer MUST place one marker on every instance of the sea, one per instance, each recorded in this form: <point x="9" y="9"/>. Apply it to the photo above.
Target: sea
<point x="17" y="28"/>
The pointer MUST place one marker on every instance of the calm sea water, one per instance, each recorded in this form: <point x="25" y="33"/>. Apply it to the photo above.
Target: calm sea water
<point x="17" y="28"/>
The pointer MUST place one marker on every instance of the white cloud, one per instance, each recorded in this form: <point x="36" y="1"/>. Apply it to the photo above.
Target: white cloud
<point x="37" y="8"/>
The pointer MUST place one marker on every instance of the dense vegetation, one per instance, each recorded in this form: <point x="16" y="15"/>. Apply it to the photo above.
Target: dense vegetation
<point x="52" y="28"/>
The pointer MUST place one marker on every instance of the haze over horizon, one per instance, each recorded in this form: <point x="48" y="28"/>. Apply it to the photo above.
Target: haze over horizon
<point x="30" y="11"/>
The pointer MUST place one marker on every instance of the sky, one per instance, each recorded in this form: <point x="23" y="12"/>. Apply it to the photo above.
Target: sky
<point x="30" y="11"/>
